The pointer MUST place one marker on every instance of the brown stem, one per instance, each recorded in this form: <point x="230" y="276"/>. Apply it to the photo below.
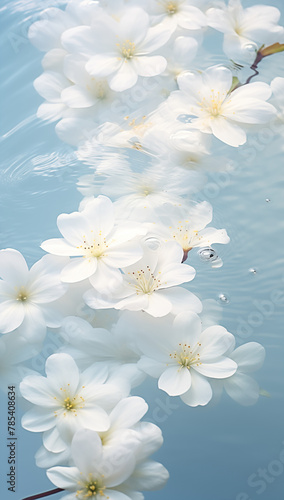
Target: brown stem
<point x="45" y="494"/>
<point x="185" y="254"/>
<point x="264" y="52"/>
<point x="254" y="66"/>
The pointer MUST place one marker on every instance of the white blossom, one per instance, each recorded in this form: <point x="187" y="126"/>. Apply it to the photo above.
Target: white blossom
<point x="27" y="296"/>
<point x="216" y="109"/>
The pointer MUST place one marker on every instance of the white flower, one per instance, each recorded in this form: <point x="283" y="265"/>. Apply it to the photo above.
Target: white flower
<point x="241" y="386"/>
<point x="66" y="400"/>
<point x="218" y="111"/>
<point x="27" y="296"/>
<point x="124" y="427"/>
<point x="50" y="85"/>
<point x="119" y="51"/>
<point x="148" y="475"/>
<point x="183" y="357"/>
<point x="138" y="194"/>
<point x="178" y="13"/>
<point x="112" y="349"/>
<point x="86" y="90"/>
<point x="97" y="472"/>
<point x="99" y="245"/>
<point x="186" y="148"/>
<point x="118" y="471"/>
<point x="246" y="30"/>
<point x="150" y="284"/>
<point x="46" y="32"/>
<point x="186" y="224"/>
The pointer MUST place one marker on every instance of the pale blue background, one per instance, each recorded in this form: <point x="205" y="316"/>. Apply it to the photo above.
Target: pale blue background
<point x="210" y="452"/>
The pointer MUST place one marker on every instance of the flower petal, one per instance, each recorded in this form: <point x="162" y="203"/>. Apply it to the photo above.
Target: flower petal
<point x="128" y="412"/>
<point x="64" y="477"/>
<point x="62" y="371"/>
<point x="200" y="392"/>
<point x="87" y="451"/>
<point x="249" y="357"/>
<point x="12" y="314"/>
<point x="124" y="78"/>
<point x="149" y="66"/>
<point x="13" y="267"/>
<point x="38" y="420"/>
<point x="79" y="269"/>
<point x="228" y="132"/>
<point x="221" y="368"/>
<point x="102" y="65"/>
<point x="242" y="388"/>
<point x="175" y="380"/>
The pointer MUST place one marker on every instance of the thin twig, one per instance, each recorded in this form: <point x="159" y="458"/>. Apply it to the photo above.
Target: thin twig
<point x="254" y="66"/>
<point x="264" y="52"/>
<point x="45" y="494"/>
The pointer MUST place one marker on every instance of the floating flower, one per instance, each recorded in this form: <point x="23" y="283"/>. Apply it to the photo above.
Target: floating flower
<point x="27" y="296"/>
<point x="112" y="349"/>
<point x="246" y="30"/>
<point x="124" y="427"/>
<point x="137" y="195"/>
<point x="178" y="13"/>
<point x="100" y="246"/>
<point x="151" y="284"/>
<point x="101" y="472"/>
<point x="186" y="225"/>
<point x="97" y="473"/>
<point x="219" y="111"/>
<point x="119" y="51"/>
<point x="66" y="400"/>
<point x="241" y="386"/>
<point x="183" y="357"/>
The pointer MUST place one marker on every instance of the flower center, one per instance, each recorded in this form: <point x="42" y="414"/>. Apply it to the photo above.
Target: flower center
<point x="22" y="295"/>
<point x="144" y="281"/>
<point x="145" y="189"/>
<point x="186" y="237"/>
<point x="90" y="489"/>
<point x="238" y="29"/>
<point x="187" y="356"/>
<point x="98" y="88"/>
<point x="96" y="248"/>
<point x="70" y="404"/>
<point x="213" y="105"/>
<point x="127" y="49"/>
<point x="171" y="8"/>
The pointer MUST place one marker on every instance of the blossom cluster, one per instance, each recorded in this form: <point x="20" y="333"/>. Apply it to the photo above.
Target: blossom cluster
<point x="116" y="284"/>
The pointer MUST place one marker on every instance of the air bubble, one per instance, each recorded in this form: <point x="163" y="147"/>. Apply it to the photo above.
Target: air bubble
<point x="224" y="298"/>
<point x="250" y="47"/>
<point x="152" y="243"/>
<point x="252" y="270"/>
<point x="207" y="254"/>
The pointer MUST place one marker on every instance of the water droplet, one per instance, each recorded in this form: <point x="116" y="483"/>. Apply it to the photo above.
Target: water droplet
<point x="224" y="298"/>
<point x="250" y="47"/>
<point x="207" y="254"/>
<point x="152" y="243"/>
<point x="252" y="270"/>
<point x="185" y="118"/>
<point x="267" y="200"/>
